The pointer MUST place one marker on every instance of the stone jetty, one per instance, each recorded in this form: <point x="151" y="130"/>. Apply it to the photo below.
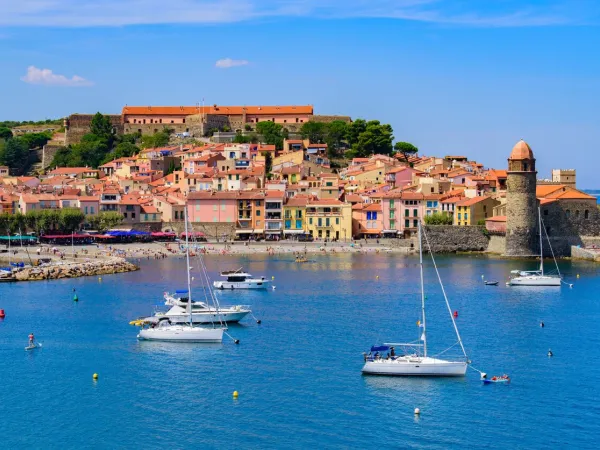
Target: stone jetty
<point x="76" y="269"/>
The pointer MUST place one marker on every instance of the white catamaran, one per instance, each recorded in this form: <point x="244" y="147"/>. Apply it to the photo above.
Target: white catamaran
<point x="164" y="330"/>
<point x="415" y="361"/>
<point x="537" y="277"/>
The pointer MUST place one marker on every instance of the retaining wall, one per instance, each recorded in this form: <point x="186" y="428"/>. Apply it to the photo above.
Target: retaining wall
<point x="451" y="239"/>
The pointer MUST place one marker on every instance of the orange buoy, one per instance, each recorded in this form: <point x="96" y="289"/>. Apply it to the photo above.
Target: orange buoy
<point x="2" y="315"/>
<point x="455" y="314"/>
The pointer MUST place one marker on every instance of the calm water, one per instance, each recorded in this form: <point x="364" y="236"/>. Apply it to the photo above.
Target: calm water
<point x="298" y="373"/>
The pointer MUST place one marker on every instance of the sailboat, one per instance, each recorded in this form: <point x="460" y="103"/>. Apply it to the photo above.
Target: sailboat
<point x="415" y="360"/>
<point x="537" y="277"/>
<point x="164" y="330"/>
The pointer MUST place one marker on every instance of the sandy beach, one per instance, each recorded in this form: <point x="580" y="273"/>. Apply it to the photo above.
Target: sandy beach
<point x="158" y="250"/>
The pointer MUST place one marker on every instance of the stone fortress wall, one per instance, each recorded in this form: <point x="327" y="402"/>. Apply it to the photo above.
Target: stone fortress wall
<point x="77" y="125"/>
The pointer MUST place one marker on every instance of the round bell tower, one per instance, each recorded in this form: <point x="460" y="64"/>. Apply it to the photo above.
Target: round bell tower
<point x="521" y="202"/>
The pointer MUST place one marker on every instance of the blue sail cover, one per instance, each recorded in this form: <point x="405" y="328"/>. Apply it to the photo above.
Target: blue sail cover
<point x="381" y="348"/>
<point x="181" y="291"/>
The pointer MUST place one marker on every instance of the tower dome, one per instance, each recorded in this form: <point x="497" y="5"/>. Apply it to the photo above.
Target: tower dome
<point x="521" y="150"/>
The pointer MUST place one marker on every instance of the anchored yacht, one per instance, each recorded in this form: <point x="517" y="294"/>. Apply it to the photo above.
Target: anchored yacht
<point x="201" y="311"/>
<point x="238" y="279"/>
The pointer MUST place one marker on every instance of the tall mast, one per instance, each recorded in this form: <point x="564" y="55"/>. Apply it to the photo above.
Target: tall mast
<point x="424" y="335"/>
<point x="541" y="248"/>
<point x="187" y="258"/>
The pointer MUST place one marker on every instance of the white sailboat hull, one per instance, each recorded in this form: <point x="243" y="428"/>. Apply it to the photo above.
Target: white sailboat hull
<point x="535" y="280"/>
<point x="248" y="284"/>
<point x="206" y="317"/>
<point x="182" y="333"/>
<point x="409" y="366"/>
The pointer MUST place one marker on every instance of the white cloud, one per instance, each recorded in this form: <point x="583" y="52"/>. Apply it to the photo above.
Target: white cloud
<point x="111" y="13"/>
<point x="49" y="78"/>
<point x="228" y="63"/>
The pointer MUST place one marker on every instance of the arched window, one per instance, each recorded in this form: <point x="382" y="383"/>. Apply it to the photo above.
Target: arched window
<point x="568" y="212"/>
<point x="586" y="214"/>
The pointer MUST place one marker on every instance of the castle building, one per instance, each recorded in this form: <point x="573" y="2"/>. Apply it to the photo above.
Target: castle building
<point x="521" y="203"/>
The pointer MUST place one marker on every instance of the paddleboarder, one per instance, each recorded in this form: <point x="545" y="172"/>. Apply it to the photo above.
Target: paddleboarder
<point x="31" y="340"/>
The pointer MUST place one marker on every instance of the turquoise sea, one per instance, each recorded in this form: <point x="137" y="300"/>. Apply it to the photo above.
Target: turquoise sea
<point x="298" y="373"/>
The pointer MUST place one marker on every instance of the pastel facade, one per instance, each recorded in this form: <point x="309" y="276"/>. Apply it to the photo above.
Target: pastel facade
<point x="329" y="219"/>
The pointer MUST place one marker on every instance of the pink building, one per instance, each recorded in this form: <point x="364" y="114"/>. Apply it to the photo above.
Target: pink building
<point x="402" y="211"/>
<point x="89" y="205"/>
<point x="400" y="176"/>
<point x="367" y="220"/>
<point x="217" y="207"/>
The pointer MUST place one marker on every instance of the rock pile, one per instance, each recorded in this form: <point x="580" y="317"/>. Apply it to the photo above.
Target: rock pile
<point x="73" y="270"/>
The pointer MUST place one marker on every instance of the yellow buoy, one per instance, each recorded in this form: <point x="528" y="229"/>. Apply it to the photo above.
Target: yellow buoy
<point x="417" y="411"/>
<point x="577" y="275"/>
<point x="99" y="278"/>
<point x="235" y="394"/>
<point x="95" y="376"/>
<point x="377" y="277"/>
<point x="273" y="277"/>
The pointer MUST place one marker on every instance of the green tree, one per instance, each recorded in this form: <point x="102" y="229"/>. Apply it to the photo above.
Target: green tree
<point x="5" y="133"/>
<point x="241" y="139"/>
<point x="70" y="219"/>
<point x="158" y="139"/>
<point x="5" y="223"/>
<point x="171" y="168"/>
<point x="315" y="132"/>
<point x="110" y="219"/>
<point x="271" y="133"/>
<point x="61" y="157"/>
<point x="122" y="150"/>
<point x="248" y="127"/>
<point x="438" y="219"/>
<point x="355" y="129"/>
<point x="376" y="139"/>
<point x="102" y="128"/>
<point x="14" y="153"/>
<point x="36" y="140"/>
<point x="268" y="162"/>
<point x="406" y="148"/>
<point x="336" y="133"/>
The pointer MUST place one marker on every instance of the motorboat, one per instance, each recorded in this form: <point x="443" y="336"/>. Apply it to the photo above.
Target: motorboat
<point x="491" y="283"/>
<point x="537" y="277"/>
<point x="6" y="275"/>
<point x="238" y="279"/>
<point x="414" y="360"/>
<point x="202" y="312"/>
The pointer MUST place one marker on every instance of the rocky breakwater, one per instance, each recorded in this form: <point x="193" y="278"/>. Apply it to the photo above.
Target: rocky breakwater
<point x="76" y="269"/>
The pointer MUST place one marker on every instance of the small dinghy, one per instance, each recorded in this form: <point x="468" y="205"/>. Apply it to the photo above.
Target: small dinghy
<point x="502" y="379"/>
<point x="491" y="283"/>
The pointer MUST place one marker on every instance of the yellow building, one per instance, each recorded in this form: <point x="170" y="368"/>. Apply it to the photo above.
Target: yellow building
<point x="294" y="216"/>
<point x="329" y="219"/>
<point x="472" y="210"/>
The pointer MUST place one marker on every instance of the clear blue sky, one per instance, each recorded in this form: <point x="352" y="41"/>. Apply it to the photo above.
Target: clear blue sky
<point x="461" y="77"/>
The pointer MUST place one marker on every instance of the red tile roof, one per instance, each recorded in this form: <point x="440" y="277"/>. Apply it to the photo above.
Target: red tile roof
<point x="220" y="110"/>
